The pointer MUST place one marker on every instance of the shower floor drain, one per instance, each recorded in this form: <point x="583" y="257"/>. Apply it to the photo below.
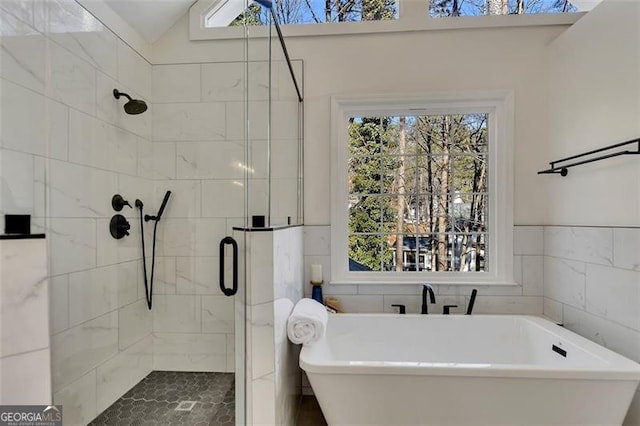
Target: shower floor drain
<point x="185" y="406"/>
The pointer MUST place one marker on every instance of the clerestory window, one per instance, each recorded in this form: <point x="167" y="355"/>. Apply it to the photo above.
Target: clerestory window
<point x="289" y="12"/>
<point x="221" y="18"/>
<point x="454" y="8"/>
<point x="421" y="190"/>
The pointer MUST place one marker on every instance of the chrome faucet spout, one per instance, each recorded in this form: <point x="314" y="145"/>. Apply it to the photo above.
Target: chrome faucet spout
<point x="427" y="290"/>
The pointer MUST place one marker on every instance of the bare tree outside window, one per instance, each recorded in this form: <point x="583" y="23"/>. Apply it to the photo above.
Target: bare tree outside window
<point x="446" y="8"/>
<point x="319" y="11"/>
<point x="418" y="198"/>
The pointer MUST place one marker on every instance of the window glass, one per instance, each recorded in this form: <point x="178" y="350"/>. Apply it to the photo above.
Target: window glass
<point x="445" y="8"/>
<point x="319" y="11"/>
<point x="418" y="196"/>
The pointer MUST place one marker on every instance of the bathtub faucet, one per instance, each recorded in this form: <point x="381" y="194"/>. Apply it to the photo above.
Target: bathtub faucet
<point x="432" y="297"/>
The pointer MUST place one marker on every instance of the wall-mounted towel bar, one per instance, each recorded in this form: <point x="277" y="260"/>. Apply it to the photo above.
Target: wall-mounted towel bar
<point x="560" y="166"/>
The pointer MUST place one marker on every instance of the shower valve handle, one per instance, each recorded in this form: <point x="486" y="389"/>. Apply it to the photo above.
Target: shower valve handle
<point x="118" y="203"/>
<point x="119" y="226"/>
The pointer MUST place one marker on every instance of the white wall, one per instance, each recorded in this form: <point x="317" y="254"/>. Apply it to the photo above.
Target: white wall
<point x="453" y="60"/>
<point x="592" y="273"/>
<point x="594" y="101"/>
<point x="67" y="148"/>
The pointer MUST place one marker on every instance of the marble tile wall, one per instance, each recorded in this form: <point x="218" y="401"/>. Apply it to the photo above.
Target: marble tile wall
<point x="199" y="144"/>
<point x="24" y="323"/>
<point x="199" y="126"/>
<point x="274" y="285"/>
<point x="592" y="285"/>
<point x="66" y="148"/>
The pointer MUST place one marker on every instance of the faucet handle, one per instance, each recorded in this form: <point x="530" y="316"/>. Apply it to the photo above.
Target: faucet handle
<point x="118" y="203"/>
<point x="446" y="309"/>
<point x="402" y="308"/>
<point x="472" y="301"/>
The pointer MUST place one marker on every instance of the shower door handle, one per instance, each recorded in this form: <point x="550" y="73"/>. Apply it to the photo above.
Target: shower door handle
<point x="229" y="291"/>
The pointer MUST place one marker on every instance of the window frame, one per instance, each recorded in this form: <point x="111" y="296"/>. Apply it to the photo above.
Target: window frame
<point x="499" y="106"/>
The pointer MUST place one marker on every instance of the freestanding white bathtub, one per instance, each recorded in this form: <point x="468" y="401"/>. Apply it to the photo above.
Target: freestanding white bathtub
<point x="465" y="370"/>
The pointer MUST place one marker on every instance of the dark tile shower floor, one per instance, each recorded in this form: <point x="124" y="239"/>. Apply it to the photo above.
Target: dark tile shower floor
<point x="154" y="400"/>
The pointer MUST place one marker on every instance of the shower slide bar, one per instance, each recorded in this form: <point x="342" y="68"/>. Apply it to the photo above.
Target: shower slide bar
<point x="557" y="167"/>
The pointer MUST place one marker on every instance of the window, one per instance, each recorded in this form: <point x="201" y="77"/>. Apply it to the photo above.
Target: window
<point x="444" y="8"/>
<point x="301" y="12"/>
<point x="421" y="190"/>
<point x="219" y="19"/>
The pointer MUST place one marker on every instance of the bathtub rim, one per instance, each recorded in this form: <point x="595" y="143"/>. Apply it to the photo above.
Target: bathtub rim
<point x="614" y="365"/>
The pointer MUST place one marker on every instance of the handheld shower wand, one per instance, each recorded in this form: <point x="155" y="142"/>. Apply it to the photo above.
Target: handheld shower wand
<point x="148" y="285"/>
<point x="157" y="217"/>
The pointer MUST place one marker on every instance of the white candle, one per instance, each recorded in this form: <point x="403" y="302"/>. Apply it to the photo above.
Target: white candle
<point x="316" y="274"/>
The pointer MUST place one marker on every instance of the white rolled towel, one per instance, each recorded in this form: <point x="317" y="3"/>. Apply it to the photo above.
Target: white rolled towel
<point x="308" y="322"/>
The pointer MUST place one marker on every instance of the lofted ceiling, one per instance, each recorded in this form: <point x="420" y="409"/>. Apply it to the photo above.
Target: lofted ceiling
<point x="152" y="18"/>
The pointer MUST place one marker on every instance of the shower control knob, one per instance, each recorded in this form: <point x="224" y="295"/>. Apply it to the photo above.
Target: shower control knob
<point x="119" y="226"/>
<point x="118" y="203"/>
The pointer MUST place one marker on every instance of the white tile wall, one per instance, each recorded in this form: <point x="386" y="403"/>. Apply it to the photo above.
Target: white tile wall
<point x="177" y="314"/>
<point x="120" y="373"/>
<point x="95" y="292"/>
<point x="189" y="121"/>
<point x="72" y="80"/>
<point x="197" y="275"/>
<point x="133" y="70"/>
<point x="76" y="147"/>
<point x="210" y="160"/>
<point x="274" y="280"/>
<point x="26" y="378"/>
<point x="17" y="193"/>
<point x="225" y="81"/>
<point x="190" y="237"/>
<point x="75" y="29"/>
<point x="592" y="285"/>
<point x="626" y="248"/>
<point x="78" y="399"/>
<point x="135" y="322"/>
<point x="592" y="245"/>
<point x="218" y="314"/>
<point x="24" y="323"/>
<point x="80" y="349"/>
<point x="66" y="148"/>
<point x="26" y="71"/>
<point x="59" y="303"/>
<point x="189" y="352"/>
<point x="524" y="298"/>
<point x="565" y="281"/>
<point x="23" y="301"/>
<point x="24" y="126"/>
<point x="176" y="83"/>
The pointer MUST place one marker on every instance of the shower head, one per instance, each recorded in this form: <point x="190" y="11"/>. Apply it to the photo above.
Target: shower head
<point x="134" y="106"/>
